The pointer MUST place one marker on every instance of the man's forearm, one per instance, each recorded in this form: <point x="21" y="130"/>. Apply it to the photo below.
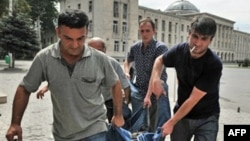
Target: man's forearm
<point x="126" y="67"/>
<point x="157" y="67"/>
<point x="155" y="83"/>
<point x="117" y="98"/>
<point x="20" y="102"/>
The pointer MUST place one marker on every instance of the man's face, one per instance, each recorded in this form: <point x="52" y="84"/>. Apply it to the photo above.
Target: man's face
<point x="72" y="39"/>
<point x="147" y="32"/>
<point x="200" y="42"/>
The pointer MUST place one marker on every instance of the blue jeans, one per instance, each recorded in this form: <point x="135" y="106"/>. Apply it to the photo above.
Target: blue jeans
<point x="161" y="108"/>
<point x="137" y="120"/>
<point x="151" y="136"/>
<point x="205" y="129"/>
<point x="117" y="134"/>
<point x="97" y="137"/>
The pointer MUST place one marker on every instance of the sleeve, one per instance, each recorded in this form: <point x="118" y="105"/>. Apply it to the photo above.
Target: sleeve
<point x="130" y="57"/>
<point x="122" y="76"/>
<point x="161" y="49"/>
<point x="110" y="76"/>
<point x="34" y="77"/>
<point x="209" y="81"/>
<point x="169" y="57"/>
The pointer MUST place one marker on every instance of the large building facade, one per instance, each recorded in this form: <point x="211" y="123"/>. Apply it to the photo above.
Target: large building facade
<point x="116" y="21"/>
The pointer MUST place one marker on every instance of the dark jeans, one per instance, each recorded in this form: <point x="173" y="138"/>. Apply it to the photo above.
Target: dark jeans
<point x="159" y="112"/>
<point x="109" y="106"/>
<point x="96" y="137"/>
<point x="205" y="129"/>
<point x="125" y="110"/>
<point x="117" y="134"/>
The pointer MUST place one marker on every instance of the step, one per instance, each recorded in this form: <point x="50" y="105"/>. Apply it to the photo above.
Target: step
<point x="3" y="98"/>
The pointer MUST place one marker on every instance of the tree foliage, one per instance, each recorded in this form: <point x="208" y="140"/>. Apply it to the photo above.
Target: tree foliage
<point x="46" y="11"/>
<point x="21" y="6"/>
<point x="18" y="6"/>
<point x="17" y="35"/>
<point x="4" y="7"/>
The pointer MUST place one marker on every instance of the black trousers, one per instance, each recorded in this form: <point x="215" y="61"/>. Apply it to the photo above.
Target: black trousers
<point x="109" y="106"/>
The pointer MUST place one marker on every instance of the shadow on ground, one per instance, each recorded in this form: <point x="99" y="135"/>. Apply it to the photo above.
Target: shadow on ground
<point x="13" y="70"/>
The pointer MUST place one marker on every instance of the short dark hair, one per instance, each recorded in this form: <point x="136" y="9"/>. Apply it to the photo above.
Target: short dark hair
<point x="203" y="25"/>
<point x="144" y="20"/>
<point x="73" y="18"/>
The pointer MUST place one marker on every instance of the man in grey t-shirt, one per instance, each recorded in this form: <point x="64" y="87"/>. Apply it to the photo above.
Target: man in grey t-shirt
<point x="99" y="44"/>
<point x="74" y="82"/>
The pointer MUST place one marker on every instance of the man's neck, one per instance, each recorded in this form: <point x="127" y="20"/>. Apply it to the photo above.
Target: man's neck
<point x="70" y="59"/>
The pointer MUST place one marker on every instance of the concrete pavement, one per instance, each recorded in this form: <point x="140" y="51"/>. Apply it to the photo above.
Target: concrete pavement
<point x="37" y="118"/>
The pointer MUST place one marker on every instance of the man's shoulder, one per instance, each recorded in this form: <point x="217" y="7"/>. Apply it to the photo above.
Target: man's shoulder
<point x="181" y="46"/>
<point x="160" y="46"/>
<point x="160" y="43"/>
<point x="112" y="59"/>
<point x="97" y="53"/>
<point x="114" y="62"/>
<point x="98" y="57"/>
<point x="213" y="58"/>
<point x="137" y="44"/>
<point x="49" y="50"/>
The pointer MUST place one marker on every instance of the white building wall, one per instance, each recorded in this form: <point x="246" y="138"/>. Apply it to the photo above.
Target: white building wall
<point x="228" y="43"/>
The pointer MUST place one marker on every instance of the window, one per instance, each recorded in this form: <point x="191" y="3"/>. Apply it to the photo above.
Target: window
<point x="125" y="11"/>
<point x="139" y="18"/>
<point x="163" y="37"/>
<point x="123" y="46"/>
<point x="90" y="6"/>
<point x="163" y="25"/>
<point x="115" y="27"/>
<point x="170" y="26"/>
<point x="124" y="27"/>
<point x="90" y="26"/>
<point x="156" y="24"/>
<point x="116" y="9"/>
<point x="182" y="27"/>
<point x="187" y="28"/>
<point x="169" y="38"/>
<point x="176" y="27"/>
<point x="116" y="46"/>
<point x="79" y="6"/>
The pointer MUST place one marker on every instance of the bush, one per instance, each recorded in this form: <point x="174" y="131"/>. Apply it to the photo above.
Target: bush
<point x="246" y="62"/>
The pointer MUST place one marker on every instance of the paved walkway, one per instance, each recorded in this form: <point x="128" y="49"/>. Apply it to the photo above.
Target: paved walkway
<point x="37" y="119"/>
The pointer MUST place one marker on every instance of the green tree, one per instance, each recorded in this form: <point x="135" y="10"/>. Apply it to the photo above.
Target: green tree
<point x="44" y="11"/>
<point x="4" y="7"/>
<point x="18" y="36"/>
<point x="21" y="6"/>
<point x="17" y="7"/>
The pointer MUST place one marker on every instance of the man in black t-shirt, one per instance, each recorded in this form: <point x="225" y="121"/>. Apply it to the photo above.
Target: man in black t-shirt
<point x="199" y="70"/>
